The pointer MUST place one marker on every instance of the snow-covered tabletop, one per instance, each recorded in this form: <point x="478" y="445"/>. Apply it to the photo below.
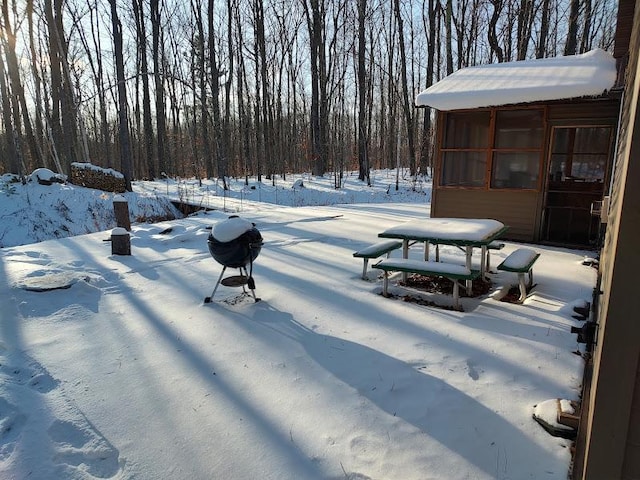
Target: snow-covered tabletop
<point x="457" y="231"/>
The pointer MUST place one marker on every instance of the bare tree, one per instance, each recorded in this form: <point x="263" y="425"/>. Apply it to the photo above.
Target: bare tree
<point x="37" y="81"/>
<point x="64" y="117"/>
<point x="363" y="140"/>
<point x="158" y="74"/>
<point x="19" y="102"/>
<point x="496" y="49"/>
<point x="11" y="159"/>
<point x="147" y="119"/>
<point x="571" y="45"/>
<point x="92" y="44"/>
<point x="319" y="106"/>
<point x="426" y="151"/>
<point x="585" y="42"/>
<point x="526" y="17"/>
<point x="126" y="159"/>
<point x="545" y="14"/>
<point x="408" y="111"/>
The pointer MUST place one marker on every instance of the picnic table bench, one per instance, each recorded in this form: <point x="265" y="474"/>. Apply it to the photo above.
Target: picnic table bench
<point x="521" y="261"/>
<point x="422" y="267"/>
<point x="376" y="250"/>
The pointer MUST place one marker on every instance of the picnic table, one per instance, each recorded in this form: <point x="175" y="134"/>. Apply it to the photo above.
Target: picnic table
<point x="466" y="233"/>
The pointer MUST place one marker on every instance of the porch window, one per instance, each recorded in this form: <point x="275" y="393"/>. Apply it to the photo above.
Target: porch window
<point x="580" y="154"/>
<point x="503" y="152"/>
<point x="517" y="150"/>
<point x="464" y="169"/>
<point x="464" y="156"/>
<point x="515" y="170"/>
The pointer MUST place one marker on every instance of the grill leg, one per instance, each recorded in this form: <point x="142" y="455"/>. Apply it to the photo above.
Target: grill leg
<point x="208" y="299"/>
<point x="249" y="281"/>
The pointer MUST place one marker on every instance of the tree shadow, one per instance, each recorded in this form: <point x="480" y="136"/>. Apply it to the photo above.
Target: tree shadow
<point x="446" y="414"/>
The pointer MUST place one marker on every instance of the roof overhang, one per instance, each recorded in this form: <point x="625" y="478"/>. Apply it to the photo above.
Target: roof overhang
<point x="527" y="81"/>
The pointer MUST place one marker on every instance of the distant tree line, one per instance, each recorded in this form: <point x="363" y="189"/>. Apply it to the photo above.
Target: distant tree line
<point x="254" y="88"/>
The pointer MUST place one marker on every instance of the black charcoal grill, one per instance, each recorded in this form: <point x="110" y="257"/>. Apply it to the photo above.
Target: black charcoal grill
<point x="235" y="243"/>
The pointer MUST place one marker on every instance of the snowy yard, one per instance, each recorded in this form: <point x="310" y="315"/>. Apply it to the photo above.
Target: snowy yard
<point x="128" y="374"/>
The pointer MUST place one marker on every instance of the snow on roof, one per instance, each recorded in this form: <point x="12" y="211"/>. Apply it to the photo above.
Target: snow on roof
<point x="524" y="81"/>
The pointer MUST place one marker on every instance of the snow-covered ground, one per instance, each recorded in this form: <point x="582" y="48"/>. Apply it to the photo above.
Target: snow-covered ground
<point x="127" y="373"/>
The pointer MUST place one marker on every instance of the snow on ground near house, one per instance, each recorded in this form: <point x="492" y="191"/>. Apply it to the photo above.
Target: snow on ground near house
<point x="126" y="373"/>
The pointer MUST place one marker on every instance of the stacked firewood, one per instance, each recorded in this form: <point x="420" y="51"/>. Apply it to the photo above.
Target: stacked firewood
<point x="90" y="176"/>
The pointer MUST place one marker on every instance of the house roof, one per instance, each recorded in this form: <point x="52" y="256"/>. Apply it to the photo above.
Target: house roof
<point x="525" y="81"/>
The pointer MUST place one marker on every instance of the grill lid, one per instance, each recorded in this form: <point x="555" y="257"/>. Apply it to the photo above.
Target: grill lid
<point x="231" y="228"/>
<point x="234" y="242"/>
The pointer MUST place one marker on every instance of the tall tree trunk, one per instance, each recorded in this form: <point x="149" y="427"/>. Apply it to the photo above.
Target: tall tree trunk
<point x="265" y="106"/>
<point x="220" y="152"/>
<point x="426" y="148"/>
<point x="126" y="159"/>
<point x="406" y="106"/>
<point x="11" y="161"/>
<point x="541" y="48"/>
<point x="200" y="75"/>
<point x="363" y="150"/>
<point x="158" y="76"/>
<point x="319" y="107"/>
<point x="39" y="108"/>
<point x="20" y="103"/>
<point x="244" y="116"/>
<point x="54" y="121"/>
<point x="147" y="120"/>
<point x="226" y="122"/>
<point x="572" y="35"/>
<point x="492" y="34"/>
<point x="585" y="43"/>
<point x="448" y="46"/>
<point x="64" y="120"/>
<point x="525" y="23"/>
<point x="105" y="132"/>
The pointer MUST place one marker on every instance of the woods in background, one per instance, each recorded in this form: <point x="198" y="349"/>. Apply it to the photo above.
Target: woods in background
<point x="254" y="88"/>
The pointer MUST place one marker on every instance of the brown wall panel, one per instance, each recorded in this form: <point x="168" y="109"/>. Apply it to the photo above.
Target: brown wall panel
<point x="518" y="210"/>
<point x="591" y="112"/>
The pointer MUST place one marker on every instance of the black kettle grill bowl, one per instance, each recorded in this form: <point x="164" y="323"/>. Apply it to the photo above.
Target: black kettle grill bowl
<point x="238" y="252"/>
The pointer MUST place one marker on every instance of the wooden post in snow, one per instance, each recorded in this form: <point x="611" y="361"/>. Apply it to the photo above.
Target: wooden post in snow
<point x="121" y="209"/>
<point x="120" y="242"/>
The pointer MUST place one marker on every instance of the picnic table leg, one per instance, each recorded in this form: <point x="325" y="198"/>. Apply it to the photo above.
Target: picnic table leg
<point x="364" y="269"/>
<point x="385" y="284"/>
<point x="437" y="252"/>
<point x="468" y="283"/>
<point x="523" y="289"/>
<point x="456" y="295"/>
<point x="405" y="254"/>
<point x="484" y="256"/>
<point x="426" y="251"/>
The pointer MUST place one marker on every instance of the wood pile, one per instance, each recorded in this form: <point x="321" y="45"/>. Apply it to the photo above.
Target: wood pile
<point x="90" y="176"/>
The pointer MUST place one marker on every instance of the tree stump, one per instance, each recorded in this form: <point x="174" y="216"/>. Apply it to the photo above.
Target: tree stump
<point x="121" y="209"/>
<point x="120" y="242"/>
